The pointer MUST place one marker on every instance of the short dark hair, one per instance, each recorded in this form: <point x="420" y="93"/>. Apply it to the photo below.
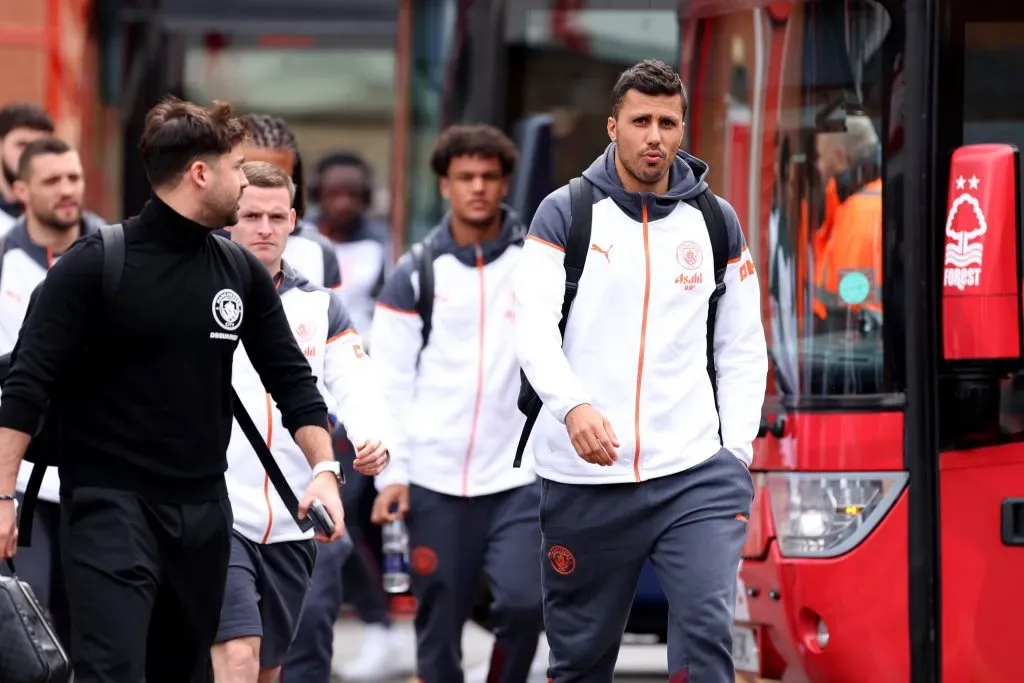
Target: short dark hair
<point x="178" y="133"/>
<point x="477" y="140"/>
<point x="25" y="115"/>
<point x="343" y="157"/>
<point x="650" y="77"/>
<point x="38" y="148"/>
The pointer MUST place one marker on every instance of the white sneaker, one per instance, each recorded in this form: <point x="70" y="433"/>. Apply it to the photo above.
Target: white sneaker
<point x="478" y="674"/>
<point x="377" y="658"/>
<point x="539" y="668"/>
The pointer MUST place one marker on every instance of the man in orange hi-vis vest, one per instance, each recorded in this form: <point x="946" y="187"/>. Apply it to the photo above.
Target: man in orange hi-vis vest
<point x="847" y="247"/>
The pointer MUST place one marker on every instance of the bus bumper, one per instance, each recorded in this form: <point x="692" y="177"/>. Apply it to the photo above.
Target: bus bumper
<point x="835" y="620"/>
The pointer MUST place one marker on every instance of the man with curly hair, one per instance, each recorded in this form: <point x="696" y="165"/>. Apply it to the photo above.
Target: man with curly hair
<point x="451" y="379"/>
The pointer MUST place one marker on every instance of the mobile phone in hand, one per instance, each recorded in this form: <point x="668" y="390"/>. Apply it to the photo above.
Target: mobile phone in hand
<point x="321" y="519"/>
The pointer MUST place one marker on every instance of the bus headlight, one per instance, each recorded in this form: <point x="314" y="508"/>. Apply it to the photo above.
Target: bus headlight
<point x="825" y="514"/>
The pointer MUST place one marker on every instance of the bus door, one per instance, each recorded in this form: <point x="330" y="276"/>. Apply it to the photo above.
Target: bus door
<point x="981" y="381"/>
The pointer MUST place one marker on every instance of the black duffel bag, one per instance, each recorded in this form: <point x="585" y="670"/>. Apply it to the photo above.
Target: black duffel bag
<point x="29" y="649"/>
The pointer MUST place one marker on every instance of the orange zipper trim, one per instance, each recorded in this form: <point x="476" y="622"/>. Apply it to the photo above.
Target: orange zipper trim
<point x="266" y="477"/>
<point x="643" y="344"/>
<point x="479" y="374"/>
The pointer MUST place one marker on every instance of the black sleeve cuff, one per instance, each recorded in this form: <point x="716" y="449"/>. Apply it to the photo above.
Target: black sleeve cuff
<point x="20" y="415"/>
<point x="314" y="416"/>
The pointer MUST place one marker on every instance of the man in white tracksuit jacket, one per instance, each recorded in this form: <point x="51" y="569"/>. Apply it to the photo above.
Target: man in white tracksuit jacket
<point x="455" y="398"/>
<point x="271" y="558"/>
<point x="627" y="445"/>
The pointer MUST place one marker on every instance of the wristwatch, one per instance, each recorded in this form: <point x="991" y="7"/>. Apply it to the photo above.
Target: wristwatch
<point x="332" y="466"/>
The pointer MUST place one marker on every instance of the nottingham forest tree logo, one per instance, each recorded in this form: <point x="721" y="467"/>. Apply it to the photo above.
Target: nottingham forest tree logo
<point x="965" y="224"/>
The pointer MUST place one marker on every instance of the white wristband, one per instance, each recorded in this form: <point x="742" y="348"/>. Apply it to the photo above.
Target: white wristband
<point x="332" y="466"/>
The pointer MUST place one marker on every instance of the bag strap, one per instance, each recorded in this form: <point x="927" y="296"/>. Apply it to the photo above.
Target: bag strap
<point x="113" y="260"/>
<point x="714" y="219"/>
<point x="423" y="256"/>
<point x="3" y="250"/>
<point x="277" y="478"/>
<point x="581" y="207"/>
<point x="113" y="268"/>
<point x="28" y="503"/>
<point x="252" y="434"/>
<point x="581" y="203"/>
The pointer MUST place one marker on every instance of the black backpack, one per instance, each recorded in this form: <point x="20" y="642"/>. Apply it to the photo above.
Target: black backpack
<point x="43" y="451"/>
<point x="581" y="206"/>
<point x="423" y="257"/>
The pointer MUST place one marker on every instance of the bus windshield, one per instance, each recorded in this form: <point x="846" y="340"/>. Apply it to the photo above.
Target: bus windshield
<point x="821" y="210"/>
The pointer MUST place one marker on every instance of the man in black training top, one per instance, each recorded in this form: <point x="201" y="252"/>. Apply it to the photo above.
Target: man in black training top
<point x="146" y="383"/>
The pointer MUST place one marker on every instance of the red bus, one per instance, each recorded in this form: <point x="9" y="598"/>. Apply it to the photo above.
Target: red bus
<point x="890" y="475"/>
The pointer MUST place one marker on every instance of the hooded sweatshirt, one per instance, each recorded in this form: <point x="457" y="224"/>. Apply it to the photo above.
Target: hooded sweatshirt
<point x="636" y="340"/>
<point x="454" y="400"/>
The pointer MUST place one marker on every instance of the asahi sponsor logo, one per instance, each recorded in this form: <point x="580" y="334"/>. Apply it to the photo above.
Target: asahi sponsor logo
<point x="689" y="281"/>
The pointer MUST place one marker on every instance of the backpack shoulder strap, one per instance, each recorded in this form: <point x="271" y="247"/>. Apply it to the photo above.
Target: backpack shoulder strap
<point x="3" y="251"/>
<point x="581" y="200"/>
<point x="110" y="277"/>
<point x="113" y="259"/>
<point x="714" y="219"/>
<point x="423" y="258"/>
<point x="577" y="244"/>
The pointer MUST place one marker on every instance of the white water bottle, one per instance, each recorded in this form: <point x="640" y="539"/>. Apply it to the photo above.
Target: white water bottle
<point x="395" y="547"/>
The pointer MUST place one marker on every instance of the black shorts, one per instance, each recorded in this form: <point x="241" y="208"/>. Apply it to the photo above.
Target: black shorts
<point x="266" y="589"/>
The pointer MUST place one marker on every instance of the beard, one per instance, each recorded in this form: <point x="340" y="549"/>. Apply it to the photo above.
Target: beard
<point x="221" y="218"/>
<point x="51" y="220"/>
<point x="231" y="216"/>
<point x="221" y="214"/>
<point x="646" y="173"/>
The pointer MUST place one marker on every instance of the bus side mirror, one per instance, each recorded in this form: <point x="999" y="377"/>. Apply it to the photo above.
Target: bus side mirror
<point x="981" y="288"/>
